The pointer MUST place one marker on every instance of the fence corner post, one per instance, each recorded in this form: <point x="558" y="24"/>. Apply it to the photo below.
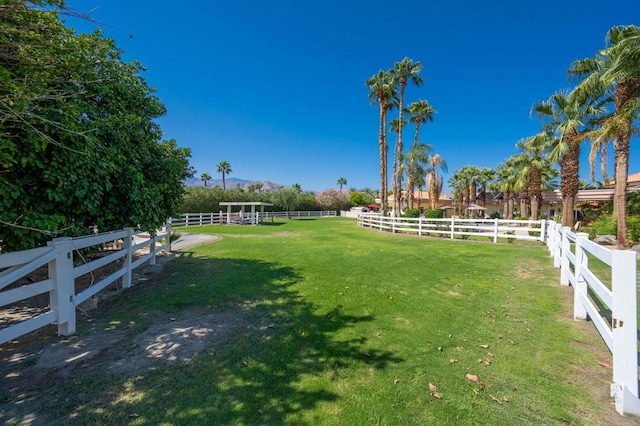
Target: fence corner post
<point x="543" y="230"/>
<point x="495" y="230"/>
<point x="62" y="296"/>
<point x="580" y="290"/>
<point x="128" y="246"/>
<point x="624" y="330"/>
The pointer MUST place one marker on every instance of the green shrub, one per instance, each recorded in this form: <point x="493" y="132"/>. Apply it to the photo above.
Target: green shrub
<point x="605" y="225"/>
<point x="434" y="213"/>
<point x="633" y="228"/>
<point x="411" y="213"/>
<point x="495" y="215"/>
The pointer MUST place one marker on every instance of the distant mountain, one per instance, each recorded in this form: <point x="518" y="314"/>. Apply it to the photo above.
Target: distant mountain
<point x="232" y="183"/>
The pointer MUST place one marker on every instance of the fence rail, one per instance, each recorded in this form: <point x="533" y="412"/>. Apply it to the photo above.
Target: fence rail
<point x="613" y="310"/>
<point x="243" y="218"/>
<point x="531" y="230"/>
<point x="60" y="256"/>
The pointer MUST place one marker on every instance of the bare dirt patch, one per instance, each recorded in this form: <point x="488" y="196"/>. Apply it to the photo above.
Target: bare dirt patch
<point x="33" y="366"/>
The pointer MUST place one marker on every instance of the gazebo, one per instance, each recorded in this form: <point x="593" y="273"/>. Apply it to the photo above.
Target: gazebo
<point x="253" y="218"/>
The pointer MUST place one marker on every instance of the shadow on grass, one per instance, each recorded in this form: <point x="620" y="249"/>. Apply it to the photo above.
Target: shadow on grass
<point x="281" y="361"/>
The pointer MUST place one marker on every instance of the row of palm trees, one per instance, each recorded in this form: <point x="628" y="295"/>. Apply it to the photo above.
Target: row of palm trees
<point x="602" y="107"/>
<point x="224" y="168"/>
<point x="387" y="89"/>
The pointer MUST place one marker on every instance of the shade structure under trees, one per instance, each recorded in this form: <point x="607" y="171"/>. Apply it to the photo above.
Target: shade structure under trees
<point x="252" y="217"/>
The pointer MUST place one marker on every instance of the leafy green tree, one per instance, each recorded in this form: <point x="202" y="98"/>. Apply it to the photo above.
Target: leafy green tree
<point x="79" y="142"/>
<point x="360" y="199"/>
<point x="225" y="169"/>
<point x="286" y="198"/>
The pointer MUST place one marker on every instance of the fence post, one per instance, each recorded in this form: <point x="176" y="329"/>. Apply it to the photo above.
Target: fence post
<point x="624" y="330"/>
<point x="557" y="241"/>
<point x="543" y="230"/>
<point x="186" y="219"/>
<point x="152" y="249"/>
<point x="582" y="263"/>
<point x="495" y="230"/>
<point x="393" y="224"/>
<point x="200" y="219"/>
<point x="169" y="236"/>
<point x="128" y="246"/>
<point x="419" y="226"/>
<point x="61" y="297"/>
<point x="453" y="226"/>
<point x="565" y="247"/>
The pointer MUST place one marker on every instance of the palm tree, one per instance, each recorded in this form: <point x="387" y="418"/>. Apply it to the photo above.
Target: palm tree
<point x="297" y="187"/>
<point x="341" y="181"/>
<point x="567" y="114"/>
<point x="225" y="168"/>
<point x="415" y="168"/>
<point x="420" y="112"/>
<point x="382" y="91"/>
<point x="435" y="162"/>
<point x="259" y="186"/>
<point x="403" y="72"/>
<point x="485" y="177"/>
<point x="506" y="182"/>
<point x="460" y="184"/>
<point x="205" y="178"/>
<point x="536" y="161"/>
<point x="617" y="68"/>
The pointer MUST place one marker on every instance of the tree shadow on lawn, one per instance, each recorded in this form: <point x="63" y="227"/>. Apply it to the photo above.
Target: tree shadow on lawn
<point x="277" y="363"/>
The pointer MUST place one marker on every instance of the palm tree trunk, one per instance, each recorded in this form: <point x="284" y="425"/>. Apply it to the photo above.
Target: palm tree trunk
<point x="625" y="93"/>
<point x="569" y="179"/>
<point x="398" y="170"/>
<point x="383" y="160"/>
<point x="224" y="186"/>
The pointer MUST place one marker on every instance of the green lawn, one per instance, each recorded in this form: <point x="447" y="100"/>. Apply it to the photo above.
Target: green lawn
<point x="344" y="325"/>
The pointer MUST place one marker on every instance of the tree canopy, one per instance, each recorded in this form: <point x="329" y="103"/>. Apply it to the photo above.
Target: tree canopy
<point x="79" y="146"/>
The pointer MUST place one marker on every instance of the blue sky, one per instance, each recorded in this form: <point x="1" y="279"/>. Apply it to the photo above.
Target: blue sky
<point x="277" y="88"/>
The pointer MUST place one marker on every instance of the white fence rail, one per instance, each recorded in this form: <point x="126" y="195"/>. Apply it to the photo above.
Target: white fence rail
<point x="531" y="230"/>
<point x="246" y="218"/>
<point x="613" y="310"/>
<point x="59" y="256"/>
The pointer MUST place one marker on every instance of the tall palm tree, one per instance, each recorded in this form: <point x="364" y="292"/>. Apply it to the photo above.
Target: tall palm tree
<point x="567" y="114"/>
<point x="415" y="160"/>
<point x="522" y="182"/>
<point x="205" y="178"/>
<point x="341" y="181"/>
<point x="616" y="67"/>
<point x="419" y="112"/>
<point x="506" y="182"/>
<point x="536" y="164"/>
<point x="435" y="162"/>
<point x="225" y="168"/>
<point x="460" y="183"/>
<point x="398" y="168"/>
<point x="382" y="91"/>
<point x="485" y="177"/>
<point x="403" y="72"/>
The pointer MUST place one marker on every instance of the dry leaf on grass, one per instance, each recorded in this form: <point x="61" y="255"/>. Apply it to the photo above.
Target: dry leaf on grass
<point x="474" y="379"/>
<point x="495" y="399"/>
<point x="605" y="365"/>
<point x="396" y="381"/>
<point x="453" y="361"/>
<point x="489" y="354"/>
<point x="440" y="348"/>
<point x="432" y="387"/>
<point x="436" y="395"/>
<point x="484" y="346"/>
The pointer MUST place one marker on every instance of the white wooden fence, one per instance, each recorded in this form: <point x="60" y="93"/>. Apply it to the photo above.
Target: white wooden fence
<point x="531" y="230"/>
<point x="62" y="273"/>
<point x="220" y="218"/>
<point x="613" y="310"/>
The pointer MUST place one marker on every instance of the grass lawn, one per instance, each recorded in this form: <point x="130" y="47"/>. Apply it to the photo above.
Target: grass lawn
<point x="343" y="325"/>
